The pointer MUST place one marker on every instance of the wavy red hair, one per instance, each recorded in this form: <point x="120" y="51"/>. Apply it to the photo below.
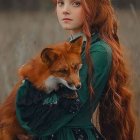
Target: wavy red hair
<point x="116" y="118"/>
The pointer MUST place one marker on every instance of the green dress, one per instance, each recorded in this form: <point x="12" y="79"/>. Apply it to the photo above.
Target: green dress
<point x="41" y="115"/>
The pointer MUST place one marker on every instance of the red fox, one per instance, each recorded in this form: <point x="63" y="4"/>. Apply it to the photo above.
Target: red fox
<point x="56" y="64"/>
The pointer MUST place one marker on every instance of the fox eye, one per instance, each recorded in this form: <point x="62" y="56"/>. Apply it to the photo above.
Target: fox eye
<point x="76" y="67"/>
<point x="63" y="71"/>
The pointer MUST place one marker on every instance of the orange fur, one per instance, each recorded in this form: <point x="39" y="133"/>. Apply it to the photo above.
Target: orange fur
<point x="54" y="57"/>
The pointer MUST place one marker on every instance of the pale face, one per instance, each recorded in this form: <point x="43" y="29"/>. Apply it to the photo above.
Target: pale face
<point x="70" y="15"/>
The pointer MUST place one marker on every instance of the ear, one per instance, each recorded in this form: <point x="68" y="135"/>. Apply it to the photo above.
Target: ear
<point x="25" y="70"/>
<point x="48" y="55"/>
<point x="68" y="46"/>
<point x="76" y="46"/>
<point x="78" y="41"/>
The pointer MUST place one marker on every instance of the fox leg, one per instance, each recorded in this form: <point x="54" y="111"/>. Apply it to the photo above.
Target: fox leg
<point x="7" y="133"/>
<point x="24" y="137"/>
<point x="7" y="136"/>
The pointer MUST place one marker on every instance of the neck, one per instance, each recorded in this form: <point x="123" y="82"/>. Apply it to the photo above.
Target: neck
<point x="72" y="32"/>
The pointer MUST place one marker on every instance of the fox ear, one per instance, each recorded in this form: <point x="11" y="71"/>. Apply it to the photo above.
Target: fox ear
<point x="76" y="46"/>
<point x="25" y="70"/>
<point x="79" y="41"/>
<point x="48" y="55"/>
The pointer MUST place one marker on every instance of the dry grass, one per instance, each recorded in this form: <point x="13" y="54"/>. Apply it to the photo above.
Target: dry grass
<point x="23" y="34"/>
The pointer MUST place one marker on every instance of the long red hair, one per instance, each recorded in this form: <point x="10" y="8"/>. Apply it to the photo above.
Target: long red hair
<point x="116" y="118"/>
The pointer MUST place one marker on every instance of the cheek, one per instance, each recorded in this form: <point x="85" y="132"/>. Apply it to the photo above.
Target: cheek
<point x="81" y="20"/>
<point x="79" y="17"/>
<point x="58" y="13"/>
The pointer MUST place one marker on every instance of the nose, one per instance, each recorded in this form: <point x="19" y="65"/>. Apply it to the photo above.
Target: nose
<point x="66" y="10"/>
<point x="78" y="86"/>
<point x="70" y="84"/>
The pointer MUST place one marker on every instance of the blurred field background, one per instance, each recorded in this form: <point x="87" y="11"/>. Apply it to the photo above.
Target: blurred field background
<point x="28" y="26"/>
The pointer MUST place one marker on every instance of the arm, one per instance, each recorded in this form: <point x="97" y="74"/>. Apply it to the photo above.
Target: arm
<point x="39" y="117"/>
<point x="42" y="114"/>
<point x="101" y="55"/>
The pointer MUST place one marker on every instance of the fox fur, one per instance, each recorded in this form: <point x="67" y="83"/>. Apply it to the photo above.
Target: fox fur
<point x="56" y="64"/>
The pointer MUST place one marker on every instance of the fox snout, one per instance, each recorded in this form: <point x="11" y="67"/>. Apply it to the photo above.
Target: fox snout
<point x="77" y="86"/>
<point x="73" y="82"/>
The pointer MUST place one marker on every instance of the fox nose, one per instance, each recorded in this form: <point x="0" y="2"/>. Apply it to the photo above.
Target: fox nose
<point x="78" y="86"/>
<point x="70" y="84"/>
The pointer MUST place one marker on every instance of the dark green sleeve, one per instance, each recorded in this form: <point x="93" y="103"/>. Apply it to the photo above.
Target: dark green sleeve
<point x="101" y="55"/>
<point x="41" y="114"/>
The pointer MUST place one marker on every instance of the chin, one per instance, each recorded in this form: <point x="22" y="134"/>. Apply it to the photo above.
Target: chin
<point x="72" y="29"/>
<point x="67" y="28"/>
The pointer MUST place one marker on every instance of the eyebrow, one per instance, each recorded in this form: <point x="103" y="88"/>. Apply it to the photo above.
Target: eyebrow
<point x="70" y="0"/>
<point x="74" y="0"/>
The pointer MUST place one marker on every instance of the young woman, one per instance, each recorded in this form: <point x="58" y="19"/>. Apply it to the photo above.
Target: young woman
<point x="104" y="79"/>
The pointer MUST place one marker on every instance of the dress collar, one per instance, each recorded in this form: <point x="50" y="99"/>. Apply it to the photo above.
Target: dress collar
<point x="94" y="37"/>
<point x="73" y="37"/>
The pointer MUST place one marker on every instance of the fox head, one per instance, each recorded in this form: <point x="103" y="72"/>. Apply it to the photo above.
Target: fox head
<point x="56" y="64"/>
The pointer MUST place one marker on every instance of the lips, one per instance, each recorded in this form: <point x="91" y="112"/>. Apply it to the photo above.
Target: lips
<point x="67" y="19"/>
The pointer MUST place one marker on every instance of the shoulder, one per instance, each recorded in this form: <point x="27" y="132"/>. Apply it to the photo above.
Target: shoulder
<point x="101" y="53"/>
<point x="101" y="46"/>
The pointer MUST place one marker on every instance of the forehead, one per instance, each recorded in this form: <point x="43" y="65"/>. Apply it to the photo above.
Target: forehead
<point x="73" y="59"/>
<point x="70" y="59"/>
<point x="67" y="61"/>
